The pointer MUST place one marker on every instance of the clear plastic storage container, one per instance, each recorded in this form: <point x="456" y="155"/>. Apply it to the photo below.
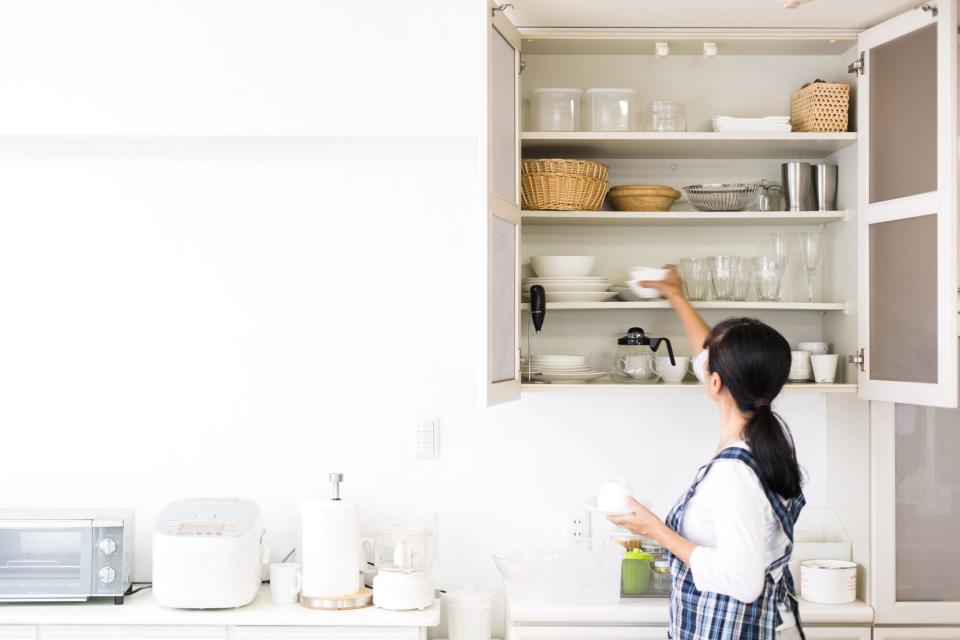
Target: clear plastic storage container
<point x="665" y="117"/>
<point x="609" y="109"/>
<point x="555" y="109"/>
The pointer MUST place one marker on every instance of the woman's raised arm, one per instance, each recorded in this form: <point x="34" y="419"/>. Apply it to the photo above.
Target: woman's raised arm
<point x="693" y="325"/>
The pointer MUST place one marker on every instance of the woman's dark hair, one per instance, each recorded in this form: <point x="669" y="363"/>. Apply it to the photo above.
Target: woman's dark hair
<point x="753" y="362"/>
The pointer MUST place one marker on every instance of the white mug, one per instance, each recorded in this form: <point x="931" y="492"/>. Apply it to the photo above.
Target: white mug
<point x="613" y="495"/>
<point x="672" y="373"/>
<point x="285" y="582"/>
<point x="815" y="348"/>
<point x="638" y="367"/>
<point x="824" y="368"/>
<point x="799" y="366"/>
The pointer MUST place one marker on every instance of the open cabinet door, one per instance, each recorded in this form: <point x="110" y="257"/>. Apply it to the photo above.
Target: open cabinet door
<point x="503" y="210"/>
<point x="907" y="222"/>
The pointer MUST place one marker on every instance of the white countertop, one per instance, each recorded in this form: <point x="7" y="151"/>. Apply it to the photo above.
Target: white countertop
<point x="141" y="608"/>
<point x="654" y="611"/>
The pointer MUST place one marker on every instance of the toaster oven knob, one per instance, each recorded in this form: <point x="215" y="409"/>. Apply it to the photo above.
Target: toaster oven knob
<point x="107" y="546"/>
<point x="107" y="575"/>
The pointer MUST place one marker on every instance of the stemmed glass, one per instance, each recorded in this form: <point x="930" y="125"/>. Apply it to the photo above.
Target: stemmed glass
<point x="810" y="245"/>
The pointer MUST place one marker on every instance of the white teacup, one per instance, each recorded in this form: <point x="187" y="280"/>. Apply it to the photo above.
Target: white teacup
<point x="613" y="495"/>
<point x="637" y="274"/>
<point x="285" y="582"/>
<point x="824" y="368"/>
<point x="673" y="373"/>
<point x="639" y="367"/>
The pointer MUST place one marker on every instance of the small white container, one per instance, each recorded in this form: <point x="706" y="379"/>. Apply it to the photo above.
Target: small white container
<point x="555" y="109"/>
<point x="828" y="581"/>
<point x="468" y="614"/>
<point x="609" y="109"/>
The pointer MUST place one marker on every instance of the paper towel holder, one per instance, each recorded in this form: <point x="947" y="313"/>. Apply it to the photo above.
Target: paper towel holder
<point x="335" y="480"/>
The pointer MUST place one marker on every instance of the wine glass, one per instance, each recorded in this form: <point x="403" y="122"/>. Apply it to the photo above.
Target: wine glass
<point x="778" y="248"/>
<point x="810" y="245"/>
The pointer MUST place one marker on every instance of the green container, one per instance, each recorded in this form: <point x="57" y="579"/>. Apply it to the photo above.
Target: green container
<point x="635" y="572"/>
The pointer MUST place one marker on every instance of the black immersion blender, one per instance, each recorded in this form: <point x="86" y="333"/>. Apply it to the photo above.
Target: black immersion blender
<point x="538" y="311"/>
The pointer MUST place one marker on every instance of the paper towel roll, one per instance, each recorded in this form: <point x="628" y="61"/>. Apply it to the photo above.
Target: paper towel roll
<point x="329" y="548"/>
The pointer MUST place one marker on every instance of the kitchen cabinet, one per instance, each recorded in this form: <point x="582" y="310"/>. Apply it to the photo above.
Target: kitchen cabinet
<point x="915" y="515"/>
<point x="660" y="633"/>
<point x="327" y="633"/>
<point x="18" y="632"/>
<point x="895" y="217"/>
<point x="916" y="633"/>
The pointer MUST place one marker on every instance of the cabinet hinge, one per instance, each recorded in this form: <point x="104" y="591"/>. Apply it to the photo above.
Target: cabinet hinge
<point x="931" y="7"/>
<point x="501" y="8"/>
<point x="522" y="66"/>
<point x="858" y="360"/>
<point x="858" y="66"/>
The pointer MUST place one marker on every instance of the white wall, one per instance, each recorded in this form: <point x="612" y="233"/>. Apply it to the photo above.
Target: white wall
<point x="240" y="316"/>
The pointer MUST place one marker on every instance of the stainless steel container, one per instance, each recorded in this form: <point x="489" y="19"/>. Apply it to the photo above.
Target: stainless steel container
<point x="798" y="186"/>
<point x="825" y="186"/>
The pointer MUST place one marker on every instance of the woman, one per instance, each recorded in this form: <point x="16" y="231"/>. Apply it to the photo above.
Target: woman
<point x="731" y="534"/>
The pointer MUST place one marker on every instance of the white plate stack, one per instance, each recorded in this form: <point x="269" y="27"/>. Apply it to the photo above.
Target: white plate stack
<point x="582" y="289"/>
<point x="560" y="368"/>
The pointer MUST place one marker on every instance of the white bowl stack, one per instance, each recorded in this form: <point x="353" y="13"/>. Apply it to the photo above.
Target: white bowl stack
<point x="568" y="279"/>
<point x="561" y="368"/>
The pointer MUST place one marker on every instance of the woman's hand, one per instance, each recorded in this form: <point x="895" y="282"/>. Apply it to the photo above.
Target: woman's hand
<point x="641" y="522"/>
<point x="670" y="287"/>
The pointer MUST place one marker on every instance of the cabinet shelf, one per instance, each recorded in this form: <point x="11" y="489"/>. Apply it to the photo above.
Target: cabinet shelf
<point x="681" y="218"/>
<point x="695" y="144"/>
<point x="607" y="385"/>
<point x="706" y="305"/>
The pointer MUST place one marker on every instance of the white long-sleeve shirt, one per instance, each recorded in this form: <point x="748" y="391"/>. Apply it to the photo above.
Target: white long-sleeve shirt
<point x="737" y="534"/>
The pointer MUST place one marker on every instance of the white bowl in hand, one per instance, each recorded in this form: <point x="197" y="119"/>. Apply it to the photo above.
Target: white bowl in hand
<point x="639" y="274"/>
<point x="613" y="496"/>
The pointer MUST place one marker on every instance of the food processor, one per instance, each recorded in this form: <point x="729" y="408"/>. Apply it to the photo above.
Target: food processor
<point x="404" y="553"/>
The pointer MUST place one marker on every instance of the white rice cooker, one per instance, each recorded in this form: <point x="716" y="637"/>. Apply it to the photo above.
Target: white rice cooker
<point x="208" y="554"/>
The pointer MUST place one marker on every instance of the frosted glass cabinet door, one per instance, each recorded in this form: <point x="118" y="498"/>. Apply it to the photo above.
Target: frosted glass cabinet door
<point x="502" y="379"/>
<point x="907" y="226"/>
<point x="917" y="513"/>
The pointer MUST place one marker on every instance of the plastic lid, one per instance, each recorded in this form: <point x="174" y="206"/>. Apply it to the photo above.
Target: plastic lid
<point x="637" y="554"/>
<point x="468" y="595"/>
<point x="557" y="90"/>
<point x="613" y="90"/>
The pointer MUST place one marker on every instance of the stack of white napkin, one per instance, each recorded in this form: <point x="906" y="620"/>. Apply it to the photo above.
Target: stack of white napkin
<point x="769" y="124"/>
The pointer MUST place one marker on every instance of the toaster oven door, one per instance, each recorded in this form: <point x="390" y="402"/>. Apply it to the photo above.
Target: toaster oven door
<point x="45" y="560"/>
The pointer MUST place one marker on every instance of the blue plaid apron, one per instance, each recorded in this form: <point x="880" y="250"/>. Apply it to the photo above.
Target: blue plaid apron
<point x="696" y="615"/>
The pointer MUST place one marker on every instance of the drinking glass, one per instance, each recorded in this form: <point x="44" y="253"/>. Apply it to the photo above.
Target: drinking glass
<point x="778" y="247"/>
<point x="694" y="273"/>
<point x="769" y="277"/>
<point x="743" y="278"/>
<point x="723" y="276"/>
<point x="810" y="244"/>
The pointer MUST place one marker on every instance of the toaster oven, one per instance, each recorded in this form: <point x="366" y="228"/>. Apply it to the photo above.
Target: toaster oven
<point x="55" y="555"/>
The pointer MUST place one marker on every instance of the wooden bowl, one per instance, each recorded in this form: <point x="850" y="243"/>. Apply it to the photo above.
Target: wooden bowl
<point x="642" y="197"/>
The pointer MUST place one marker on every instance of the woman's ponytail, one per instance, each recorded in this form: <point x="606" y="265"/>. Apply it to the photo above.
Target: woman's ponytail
<point x="753" y="362"/>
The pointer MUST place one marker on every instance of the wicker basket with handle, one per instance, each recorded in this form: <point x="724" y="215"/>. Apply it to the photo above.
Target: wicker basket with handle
<point x="821" y="106"/>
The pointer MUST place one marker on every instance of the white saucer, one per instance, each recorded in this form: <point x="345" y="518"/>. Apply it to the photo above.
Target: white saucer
<point x="591" y="505"/>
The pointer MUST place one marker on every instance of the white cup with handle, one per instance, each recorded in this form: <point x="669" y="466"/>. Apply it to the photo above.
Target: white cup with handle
<point x="672" y="373"/>
<point x="639" y="367"/>
<point x="286" y="581"/>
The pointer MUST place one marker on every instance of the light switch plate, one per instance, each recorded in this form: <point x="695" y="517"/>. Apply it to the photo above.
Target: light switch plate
<point x="428" y="438"/>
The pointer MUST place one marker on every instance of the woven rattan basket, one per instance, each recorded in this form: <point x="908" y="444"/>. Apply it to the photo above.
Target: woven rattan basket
<point x="561" y="192"/>
<point x="821" y="106"/>
<point x="584" y="168"/>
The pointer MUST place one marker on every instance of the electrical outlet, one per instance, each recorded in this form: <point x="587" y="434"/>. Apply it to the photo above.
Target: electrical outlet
<point x="576" y="526"/>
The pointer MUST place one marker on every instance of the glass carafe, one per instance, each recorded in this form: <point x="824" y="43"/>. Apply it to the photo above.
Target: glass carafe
<point x="635" y="359"/>
<point x="406" y="546"/>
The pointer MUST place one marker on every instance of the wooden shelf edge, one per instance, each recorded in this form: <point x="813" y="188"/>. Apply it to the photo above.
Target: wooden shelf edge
<point x="789" y="388"/>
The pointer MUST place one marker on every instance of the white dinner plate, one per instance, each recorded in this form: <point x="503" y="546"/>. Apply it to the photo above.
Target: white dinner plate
<point x="626" y="294"/>
<point x="580" y="296"/>
<point x="573" y="377"/>
<point x="567" y="286"/>
<point x="591" y="505"/>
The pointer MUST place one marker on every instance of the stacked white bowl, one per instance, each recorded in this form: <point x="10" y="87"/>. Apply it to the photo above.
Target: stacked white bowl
<point x="561" y="368"/>
<point x="568" y="279"/>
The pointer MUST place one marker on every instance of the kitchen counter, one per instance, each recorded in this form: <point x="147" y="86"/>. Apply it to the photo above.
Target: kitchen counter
<point x="654" y="611"/>
<point x="142" y="609"/>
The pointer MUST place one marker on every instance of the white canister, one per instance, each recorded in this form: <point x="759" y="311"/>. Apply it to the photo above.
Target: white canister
<point x="828" y="581"/>
<point x="468" y="614"/>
